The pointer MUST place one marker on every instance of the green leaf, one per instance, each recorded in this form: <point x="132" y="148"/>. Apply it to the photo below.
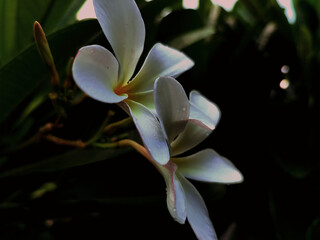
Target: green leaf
<point x="22" y="75"/>
<point x="73" y="158"/>
<point x="8" y="24"/>
<point x="179" y="23"/>
<point x="61" y="13"/>
<point x="17" y="18"/>
<point x="190" y="38"/>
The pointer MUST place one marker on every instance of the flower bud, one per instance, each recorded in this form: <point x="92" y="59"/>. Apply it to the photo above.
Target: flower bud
<point x="45" y="52"/>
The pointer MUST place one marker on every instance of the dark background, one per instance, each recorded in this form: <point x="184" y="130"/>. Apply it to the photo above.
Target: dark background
<point x="48" y="191"/>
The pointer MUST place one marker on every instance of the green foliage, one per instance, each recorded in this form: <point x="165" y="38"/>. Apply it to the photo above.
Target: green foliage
<point x="18" y="16"/>
<point x="52" y="191"/>
<point x="70" y="159"/>
<point x="17" y="85"/>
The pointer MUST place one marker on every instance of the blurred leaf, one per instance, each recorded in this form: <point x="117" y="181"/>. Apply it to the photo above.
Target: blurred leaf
<point x="8" y="24"/>
<point x="16" y="85"/>
<point x="189" y="38"/>
<point x="35" y="102"/>
<point x="313" y="232"/>
<point x="152" y="14"/>
<point x="60" y="14"/>
<point x="46" y="187"/>
<point x="178" y="23"/>
<point x="304" y="44"/>
<point x="308" y="14"/>
<point x="205" y="8"/>
<point x="73" y="158"/>
<point x="17" y="18"/>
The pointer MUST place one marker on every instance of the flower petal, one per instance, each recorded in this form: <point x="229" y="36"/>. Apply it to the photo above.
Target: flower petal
<point x="123" y="26"/>
<point x="176" y="200"/>
<point x="204" y="110"/>
<point x="197" y="212"/>
<point x="193" y="134"/>
<point x="150" y="130"/>
<point x="161" y="61"/>
<point x="204" y="116"/>
<point x="172" y="106"/>
<point x="95" y="70"/>
<point x="208" y="166"/>
<point x="145" y="98"/>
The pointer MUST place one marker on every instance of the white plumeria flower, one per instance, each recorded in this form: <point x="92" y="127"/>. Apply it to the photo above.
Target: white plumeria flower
<point x="108" y="78"/>
<point x="186" y="124"/>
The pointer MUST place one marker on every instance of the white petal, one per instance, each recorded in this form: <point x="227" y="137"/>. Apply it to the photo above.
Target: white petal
<point x="150" y="131"/>
<point x="208" y="166"/>
<point x="204" y="110"/>
<point x="123" y="26"/>
<point x="204" y="116"/>
<point x="176" y="200"/>
<point x="145" y="98"/>
<point x="193" y="134"/>
<point x="95" y="70"/>
<point x="172" y="106"/>
<point x="197" y="212"/>
<point x="161" y="61"/>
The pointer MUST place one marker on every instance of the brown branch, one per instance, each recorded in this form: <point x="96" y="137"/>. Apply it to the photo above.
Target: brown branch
<point x="60" y="141"/>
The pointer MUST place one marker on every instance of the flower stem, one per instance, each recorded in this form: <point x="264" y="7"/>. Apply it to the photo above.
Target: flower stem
<point x="111" y="128"/>
<point x="101" y="129"/>
<point x="126" y="143"/>
<point x="60" y="141"/>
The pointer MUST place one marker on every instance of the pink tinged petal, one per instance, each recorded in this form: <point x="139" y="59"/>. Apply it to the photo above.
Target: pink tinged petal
<point x="204" y="110"/>
<point x="150" y="130"/>
<point x="161" y="61"/>
<point x="208" y="166"/>
<point x="95" y="70"/>
<point x="123" y="26"/>
<point x="172" y="106"/>
<point x="197" y="212"/>
<point x="176" y="200"/>
<point x="193" y="134"/>
<point x="204" y="116"/>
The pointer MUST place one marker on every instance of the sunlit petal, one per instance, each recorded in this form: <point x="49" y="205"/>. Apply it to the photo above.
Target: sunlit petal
<point x="172" y="106"/>
<point x="176" y="200"/>
<point x="150" y="130"/>
<point x="204" y="110"/>
<point x="197" y="212"/>
<point x="123" y="26"/>
<point x="95" y="70"/>
<point x="161" y="61"/>
<point x="208" y="166"/>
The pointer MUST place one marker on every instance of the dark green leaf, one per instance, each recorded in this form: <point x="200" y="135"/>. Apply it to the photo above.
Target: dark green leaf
<point x="73" y="158"/>
<point x="23" y="74"/>
<point x="17" y="18"/>
<point x="190" y="38"/>
<point x="61" y="13"/>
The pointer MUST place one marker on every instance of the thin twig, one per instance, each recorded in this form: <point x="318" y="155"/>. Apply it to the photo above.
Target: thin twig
<point x="111" y="128"/>
<point x="60" y="141"/>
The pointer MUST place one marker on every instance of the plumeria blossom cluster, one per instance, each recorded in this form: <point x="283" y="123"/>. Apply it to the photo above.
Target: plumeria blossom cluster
<point x="108" y="78"/>
<point x="168" y="122"/>
<point x="186" y="123"/>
